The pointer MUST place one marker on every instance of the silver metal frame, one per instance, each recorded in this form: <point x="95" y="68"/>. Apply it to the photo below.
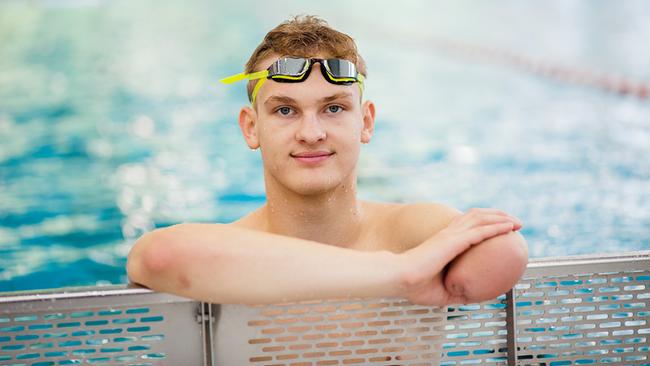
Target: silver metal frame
<point x="126" y="324"/>
<point x="570" y="310"/>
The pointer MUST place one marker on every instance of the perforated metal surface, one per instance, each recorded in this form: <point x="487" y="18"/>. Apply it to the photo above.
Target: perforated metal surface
<point x="476" y="333"/>
<point x="584" y="317"/>
<point x="101" y="328"/>
<point x="378" y="332"/>
<point x="332" y="332"/>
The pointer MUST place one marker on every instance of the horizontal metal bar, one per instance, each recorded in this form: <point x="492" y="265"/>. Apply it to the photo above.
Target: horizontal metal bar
<point x="586" y="264"/>
<point x="83" y="297"/>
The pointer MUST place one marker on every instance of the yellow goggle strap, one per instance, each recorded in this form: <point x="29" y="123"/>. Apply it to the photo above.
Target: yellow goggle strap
<point x="361" y="82"/>
<point x="256" y="89"/>
<point x="252" y="76"/>
<point x="243" y="76"/>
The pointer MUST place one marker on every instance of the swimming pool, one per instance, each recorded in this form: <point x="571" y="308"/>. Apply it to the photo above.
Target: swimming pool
<point x="112" y="123"/>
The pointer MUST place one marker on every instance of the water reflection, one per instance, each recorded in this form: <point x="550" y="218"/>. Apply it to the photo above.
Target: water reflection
<point x="112" y="123"/>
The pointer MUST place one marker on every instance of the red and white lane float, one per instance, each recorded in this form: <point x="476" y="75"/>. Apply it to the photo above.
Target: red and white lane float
<point x="573" y="75"/>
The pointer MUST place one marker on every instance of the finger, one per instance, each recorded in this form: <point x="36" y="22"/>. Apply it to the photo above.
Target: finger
<point x="489" y="219"/>
<point x="492" y="211"/>
<point x="482" y="233"/>
<point x="516" y="221"/>
<point x="473" y="213"/>
<point x="475" y="219"/>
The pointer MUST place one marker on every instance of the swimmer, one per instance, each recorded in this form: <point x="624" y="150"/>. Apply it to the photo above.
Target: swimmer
<point x="313" y="238"/>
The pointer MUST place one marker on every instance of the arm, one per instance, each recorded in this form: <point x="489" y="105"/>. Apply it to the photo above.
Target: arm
<point x="481" y="251"/>
<point x="488" y="270"/>
<point x="225" y="264"/>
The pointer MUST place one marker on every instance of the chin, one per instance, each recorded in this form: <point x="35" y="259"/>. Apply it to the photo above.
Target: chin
<point x="315" y="187"/>
<point x="312" y="190"/>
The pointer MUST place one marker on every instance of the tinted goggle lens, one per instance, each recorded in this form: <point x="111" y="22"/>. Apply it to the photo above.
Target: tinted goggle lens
<point x="340" y="68"/>
<point x="291" y="69"/>
<point x="289" y="66"/>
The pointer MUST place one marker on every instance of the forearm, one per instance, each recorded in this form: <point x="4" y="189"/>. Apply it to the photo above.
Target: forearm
<point x="488" y="269"/>
<point x="233" y="265"/>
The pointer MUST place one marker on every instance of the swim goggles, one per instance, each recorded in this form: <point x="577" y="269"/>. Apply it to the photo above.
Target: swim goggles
<point x="295" y="69"/>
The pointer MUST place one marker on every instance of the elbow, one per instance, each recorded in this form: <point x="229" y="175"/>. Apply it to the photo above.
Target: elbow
<point x="483" y="276"/>
<point x="151" y="257"/>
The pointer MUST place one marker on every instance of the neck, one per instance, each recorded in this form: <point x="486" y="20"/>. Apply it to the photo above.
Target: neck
<point x="332" y="217"/>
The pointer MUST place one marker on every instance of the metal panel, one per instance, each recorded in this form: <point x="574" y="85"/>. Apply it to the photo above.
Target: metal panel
<point x="584" y="310"/>
<point x="330" y="332"/>
<point x="358" y="331"/>
<point x="476" y="334"/>
<point x="99" y="325"/>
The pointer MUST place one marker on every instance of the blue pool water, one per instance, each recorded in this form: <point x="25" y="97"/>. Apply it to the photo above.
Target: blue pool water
<point x="112" y="123"/>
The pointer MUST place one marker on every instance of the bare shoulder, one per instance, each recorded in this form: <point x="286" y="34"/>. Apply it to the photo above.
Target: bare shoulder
<point x="408" y="225"/>
<point x="250" y="221"/>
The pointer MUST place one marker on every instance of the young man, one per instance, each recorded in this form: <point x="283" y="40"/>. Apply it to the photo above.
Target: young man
<point x="313" y="239"/>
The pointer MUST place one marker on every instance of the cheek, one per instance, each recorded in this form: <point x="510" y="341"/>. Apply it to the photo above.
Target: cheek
<point x="275" y="148"/>
<point x="353" y="137"/>
<point x="271" y="136"/>
<point x="348" y="144"/>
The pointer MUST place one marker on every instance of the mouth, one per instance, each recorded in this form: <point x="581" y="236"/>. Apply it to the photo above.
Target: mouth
<point x="312" y="157"/>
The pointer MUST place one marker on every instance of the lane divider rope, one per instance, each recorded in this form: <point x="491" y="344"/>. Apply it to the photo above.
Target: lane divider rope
<point x="605" y="81"/>
<point x="608" y="82"/>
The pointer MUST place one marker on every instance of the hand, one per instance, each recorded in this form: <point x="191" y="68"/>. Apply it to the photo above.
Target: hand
<point x="425" y="263"/>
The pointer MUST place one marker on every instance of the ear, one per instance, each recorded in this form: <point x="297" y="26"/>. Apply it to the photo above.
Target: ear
<point x="368" y="110"/>
<point x="248" y="126"/>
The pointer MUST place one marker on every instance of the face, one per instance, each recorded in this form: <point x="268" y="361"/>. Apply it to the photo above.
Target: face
<point x="309" y="133"/>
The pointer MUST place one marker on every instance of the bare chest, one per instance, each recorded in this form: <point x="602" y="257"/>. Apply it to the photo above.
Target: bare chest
<point x="381" y="234"/>
<point x="379" y="230"/>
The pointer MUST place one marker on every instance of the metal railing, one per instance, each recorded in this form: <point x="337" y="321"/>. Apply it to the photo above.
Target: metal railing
<point x="564" y="311"/>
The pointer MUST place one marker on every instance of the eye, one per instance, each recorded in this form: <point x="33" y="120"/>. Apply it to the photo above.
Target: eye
<point x="285" y="111"/>
<point x="334" y="108"/>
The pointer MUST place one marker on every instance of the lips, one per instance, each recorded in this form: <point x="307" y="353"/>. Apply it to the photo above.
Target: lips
<point x="312" y="157"/>
<point x="311" y="154"/>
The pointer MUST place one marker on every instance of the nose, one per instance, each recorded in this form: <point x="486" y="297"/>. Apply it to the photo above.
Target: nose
<point x="310" y="130"/>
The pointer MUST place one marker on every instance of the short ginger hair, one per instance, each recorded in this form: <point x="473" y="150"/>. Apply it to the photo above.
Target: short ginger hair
<point x="305" y="36"/>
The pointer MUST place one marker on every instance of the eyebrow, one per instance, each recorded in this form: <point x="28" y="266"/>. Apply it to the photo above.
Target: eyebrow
<point x="289" y="100"/>
<point x="279" y="99"/>
<point x="341" y="95"/>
